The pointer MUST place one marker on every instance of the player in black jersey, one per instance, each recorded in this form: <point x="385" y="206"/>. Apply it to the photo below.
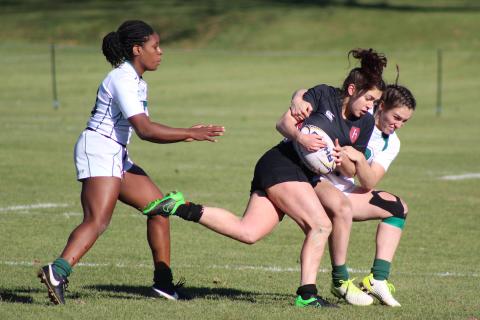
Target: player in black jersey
<point x="344" y="115"/>
<point x="281" y="184"/>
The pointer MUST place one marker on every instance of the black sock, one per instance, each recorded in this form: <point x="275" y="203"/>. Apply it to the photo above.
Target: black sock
<point x="307" y="291"/>
<point x="190" y="211"/>
<point x="163" y="275"/>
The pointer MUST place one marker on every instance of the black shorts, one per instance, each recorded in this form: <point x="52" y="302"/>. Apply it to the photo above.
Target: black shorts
<point x="277" y="165"/>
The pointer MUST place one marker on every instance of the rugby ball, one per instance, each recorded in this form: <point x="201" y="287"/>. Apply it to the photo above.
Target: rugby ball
<point x="320" y="161"/>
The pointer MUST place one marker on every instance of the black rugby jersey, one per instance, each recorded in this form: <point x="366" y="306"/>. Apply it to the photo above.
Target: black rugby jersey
<point x="326" y="102"/>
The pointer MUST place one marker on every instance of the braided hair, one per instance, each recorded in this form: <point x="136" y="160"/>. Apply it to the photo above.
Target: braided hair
<point x="396" y="96"/>
<point x="369" y="74"/>
<point x="117" y="45"/>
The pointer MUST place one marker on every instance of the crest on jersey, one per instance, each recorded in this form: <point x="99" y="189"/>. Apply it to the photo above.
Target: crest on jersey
<point x="354" y="133"/>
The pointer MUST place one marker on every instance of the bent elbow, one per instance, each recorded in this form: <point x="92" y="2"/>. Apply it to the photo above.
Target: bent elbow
<point x="143" y="134"/>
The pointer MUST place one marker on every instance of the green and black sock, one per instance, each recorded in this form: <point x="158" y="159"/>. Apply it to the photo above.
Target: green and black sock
<point x="62" y="267"/>
<point x="381" y="269"/>
<point x="339" y="273"/>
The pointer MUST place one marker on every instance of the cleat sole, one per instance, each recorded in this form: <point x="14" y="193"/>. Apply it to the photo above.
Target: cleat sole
<point x="51" y="294"/>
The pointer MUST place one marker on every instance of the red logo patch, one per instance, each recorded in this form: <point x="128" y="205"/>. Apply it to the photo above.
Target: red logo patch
<point x="354" y="133"/>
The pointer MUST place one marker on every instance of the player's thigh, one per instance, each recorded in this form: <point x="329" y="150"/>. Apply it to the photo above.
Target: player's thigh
<point x="137" y="189"/>
<point x="99" y="197"/>
<point x="299" y="201"/>
<point x="335" y="202"/>
<point x="363" y="208"/>
<point x="261" y="216"/>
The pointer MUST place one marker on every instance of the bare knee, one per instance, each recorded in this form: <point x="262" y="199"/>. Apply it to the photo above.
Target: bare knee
<point x="97" y="225"/>
<point x="319" y="227"/>
<point x="343" y="210"/>
<point x="250" y="236"/>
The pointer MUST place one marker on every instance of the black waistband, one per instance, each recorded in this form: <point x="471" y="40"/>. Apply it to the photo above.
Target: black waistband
<point x="90" y="129"/>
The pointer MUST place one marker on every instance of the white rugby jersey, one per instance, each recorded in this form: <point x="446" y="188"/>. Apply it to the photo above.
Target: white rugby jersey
<point x="122" y="94"/>
<point x="382" y="149"/>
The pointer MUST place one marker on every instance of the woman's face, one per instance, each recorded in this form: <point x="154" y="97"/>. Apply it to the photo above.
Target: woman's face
<point x="150" y="54"/>
<point x="362" y="103"/>
<point x="388" y="121"/>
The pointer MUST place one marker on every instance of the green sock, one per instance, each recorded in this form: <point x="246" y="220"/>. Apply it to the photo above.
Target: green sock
<point x="381" y="269"/>
<point x="62" y="267"/>
<point x="339" y="273"/>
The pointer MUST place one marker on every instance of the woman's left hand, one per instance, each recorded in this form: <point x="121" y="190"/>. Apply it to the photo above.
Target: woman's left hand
<point x="353" y="154"/>
<point x="201" y="132"/>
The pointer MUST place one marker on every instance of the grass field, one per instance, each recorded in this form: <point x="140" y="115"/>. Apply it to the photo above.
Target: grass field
<point x="436" y="270"/>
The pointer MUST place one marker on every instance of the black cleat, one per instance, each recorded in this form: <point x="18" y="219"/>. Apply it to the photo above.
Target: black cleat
<point x="55" y="283"/>
<point x="169" y="291"/>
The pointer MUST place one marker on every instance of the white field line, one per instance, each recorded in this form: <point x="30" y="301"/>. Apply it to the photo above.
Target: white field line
<point x="462" y="176"/>
<point x="72" y="214"/>
<point x="243" y="268"/>
<point x="29" y="207"/>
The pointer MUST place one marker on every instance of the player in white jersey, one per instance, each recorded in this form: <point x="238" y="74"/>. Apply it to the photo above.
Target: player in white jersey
<point x="363" y="202"/>
<point x="103" y="166"/>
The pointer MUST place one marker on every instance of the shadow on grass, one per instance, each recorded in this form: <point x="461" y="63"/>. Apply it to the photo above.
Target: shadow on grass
<point x="135" y="292"/>
<point x="23" y="295"/>
<point x="16" y="296"/>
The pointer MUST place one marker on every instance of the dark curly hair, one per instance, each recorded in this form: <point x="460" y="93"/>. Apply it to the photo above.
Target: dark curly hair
<point x="369" y="74"/>
<point x="117" y="45"/>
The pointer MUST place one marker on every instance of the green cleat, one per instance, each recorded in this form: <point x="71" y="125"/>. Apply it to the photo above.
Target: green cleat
<point x="353" y="295"/>
<point x="314" y="301"/>
<point x="380" y="289"/>
<point x="167" y="206"/>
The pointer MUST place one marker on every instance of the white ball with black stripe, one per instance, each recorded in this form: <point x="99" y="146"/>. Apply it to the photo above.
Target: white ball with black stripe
<point x="322" y="160"/>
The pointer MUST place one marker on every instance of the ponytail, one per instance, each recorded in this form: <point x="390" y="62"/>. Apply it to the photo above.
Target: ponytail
<point x="117" y="45"/>
<point x="369" y="74"/>
<point x="112" y="49"/>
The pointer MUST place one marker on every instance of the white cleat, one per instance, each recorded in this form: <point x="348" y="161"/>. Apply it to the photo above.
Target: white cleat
<point x="353" y="295"/>
<point x="380" y="289"/>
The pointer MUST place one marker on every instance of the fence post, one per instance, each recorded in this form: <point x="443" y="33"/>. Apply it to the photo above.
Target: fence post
<point x="439" y="82"/>
<point x="56" y="103"/>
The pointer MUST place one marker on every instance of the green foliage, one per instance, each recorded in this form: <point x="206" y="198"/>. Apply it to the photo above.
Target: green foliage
<point x="253" y="24"/>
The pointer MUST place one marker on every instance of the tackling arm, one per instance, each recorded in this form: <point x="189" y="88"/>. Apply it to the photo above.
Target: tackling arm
<point x="300" y="108"/>
<point x="368" y="175"/>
